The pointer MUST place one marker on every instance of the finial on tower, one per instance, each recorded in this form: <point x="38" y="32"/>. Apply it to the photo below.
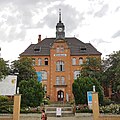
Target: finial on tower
<point x="59" y="15"/>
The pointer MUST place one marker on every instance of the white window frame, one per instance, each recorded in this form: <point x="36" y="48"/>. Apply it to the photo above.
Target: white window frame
<point x="73" y="61"/>
<point x="80" y="61"/>
<point x="39" y="61"/>
<point x="76" y="74"/>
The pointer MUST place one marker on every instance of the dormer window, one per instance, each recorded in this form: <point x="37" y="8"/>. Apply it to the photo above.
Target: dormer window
<point x="37" y="49"/>
<point x="83" y="49"/>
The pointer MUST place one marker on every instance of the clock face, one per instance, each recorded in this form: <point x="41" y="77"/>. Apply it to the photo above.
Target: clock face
<point x="60" y="29"/>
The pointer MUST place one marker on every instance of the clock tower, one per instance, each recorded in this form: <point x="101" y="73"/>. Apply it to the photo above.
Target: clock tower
<point x="60" y="34"/>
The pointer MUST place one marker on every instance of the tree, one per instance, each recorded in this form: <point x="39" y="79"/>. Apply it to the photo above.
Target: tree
<point x="4" y="68"/>
<point x="91" y="73"/>
<point x="23" y="67"/>
<point x="32" y="93"/>
<point x="92" y="68"/>
<point x="83" y="84"/>
<point x="111" y="74"/>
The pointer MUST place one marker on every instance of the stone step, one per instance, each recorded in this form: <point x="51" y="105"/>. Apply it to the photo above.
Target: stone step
<point x="60" y="105"/>
<point x="66" y="110"/>
<point x="62" y="108"/>
<point x="62" y="115"/>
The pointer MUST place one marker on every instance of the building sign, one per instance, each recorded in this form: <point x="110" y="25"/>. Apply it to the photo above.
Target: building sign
<point x="58" y="112"/>
<point x="89" y="97"/>
<point x="60" y="54"/>
<point x="8" y="85"/>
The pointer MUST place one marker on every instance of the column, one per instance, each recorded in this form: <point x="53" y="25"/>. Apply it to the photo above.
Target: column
<point x="16" y="110"/>
<point x="95" y="105"/>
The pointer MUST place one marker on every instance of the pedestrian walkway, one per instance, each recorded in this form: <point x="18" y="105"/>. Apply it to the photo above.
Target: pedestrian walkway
<point x="38" y="117"/>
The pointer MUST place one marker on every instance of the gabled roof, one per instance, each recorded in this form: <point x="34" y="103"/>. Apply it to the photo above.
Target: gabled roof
<point x="76" y="46"/>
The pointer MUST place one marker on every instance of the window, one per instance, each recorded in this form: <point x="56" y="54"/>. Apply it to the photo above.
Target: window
<point x="60" y="66"/>
<point x="46" y="61"/>
<point x="80" y="61"/>
<point x="33" y="61"/>
<point x="45" y="88"/>
<point x="87" y="60"/>
<point x="83" y="49"/>
<point x="73" y="61"/>
<point x="60" y="80"/>
<point x="39" y="61"/>
<point x="58" y="49"/>
<point x="37" y="49"/>
<point x="57" y="80"/>
<point x="62" y="49"/>
<point x="43" y="75"/>
<point x="76" y="74"/>
<point x="63" y="80"/>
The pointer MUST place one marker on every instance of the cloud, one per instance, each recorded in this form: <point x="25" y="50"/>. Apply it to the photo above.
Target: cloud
<point x="102" y="11"/>
<point x="117" y="9"/>
<point x="117" y="34"/>
<point x="99" y="41"/>
<point x="70" y="17"/>
<point x="16" y="17"/>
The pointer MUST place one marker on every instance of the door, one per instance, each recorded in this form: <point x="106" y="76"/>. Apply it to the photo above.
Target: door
<point x="60" y="95"/>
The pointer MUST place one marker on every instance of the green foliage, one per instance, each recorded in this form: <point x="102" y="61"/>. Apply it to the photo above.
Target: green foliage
<point x="3" y="98"/>
<point x="4" y="68"/>
<point x="6" y="105"/>
<point x="84" y="84"/>
<point x="106" y="101"/>
<point x="111" y="67"/>
<point x="32" y="92"/>
<point x="112" y="108"/>
<point x="83" y="109"/>
<point x="92" y="68"/>
<point x="24" y="69"/>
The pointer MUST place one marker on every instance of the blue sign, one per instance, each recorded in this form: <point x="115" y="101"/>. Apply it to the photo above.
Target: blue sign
<point x="39" y="75"/>
<point x="89" y="96"/>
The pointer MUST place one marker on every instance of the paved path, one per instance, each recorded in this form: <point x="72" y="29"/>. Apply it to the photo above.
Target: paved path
<point x="38" y="117"/>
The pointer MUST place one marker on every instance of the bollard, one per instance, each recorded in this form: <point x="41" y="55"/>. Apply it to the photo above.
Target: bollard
<point x="16" y="110"/>
<point x="95" y="106"/>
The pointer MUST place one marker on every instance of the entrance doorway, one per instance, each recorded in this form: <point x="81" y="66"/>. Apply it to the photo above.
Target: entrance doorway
<point x="60" y="95"/>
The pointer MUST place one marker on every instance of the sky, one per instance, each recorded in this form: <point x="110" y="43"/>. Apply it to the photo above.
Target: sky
<point x="94" y="21"/>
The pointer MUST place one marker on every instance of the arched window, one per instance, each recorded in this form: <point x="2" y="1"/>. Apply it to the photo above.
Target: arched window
<point x="73" y="61"/>
<point x="80" y="61"/>
<point x="76" y="74"/>
<point x="62" y="49"/>
<point x="46" y="61"/>
<point x="58" y="49"/>
<point x="59" y="66"/>
<point x="39" y="61"/>
<point x="33" y="61"/>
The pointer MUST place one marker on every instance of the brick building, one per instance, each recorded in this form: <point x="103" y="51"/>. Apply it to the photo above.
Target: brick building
<point x="57" y="62"/>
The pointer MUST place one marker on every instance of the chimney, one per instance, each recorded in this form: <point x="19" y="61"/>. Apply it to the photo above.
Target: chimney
<point x="39" y="38"/>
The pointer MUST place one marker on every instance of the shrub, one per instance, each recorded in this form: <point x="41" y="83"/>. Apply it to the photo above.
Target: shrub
<point x="106" y="101"/>
<point x="3" y="98"/>
<point x="112" y="108"/>
<point x="83" y="109"/>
